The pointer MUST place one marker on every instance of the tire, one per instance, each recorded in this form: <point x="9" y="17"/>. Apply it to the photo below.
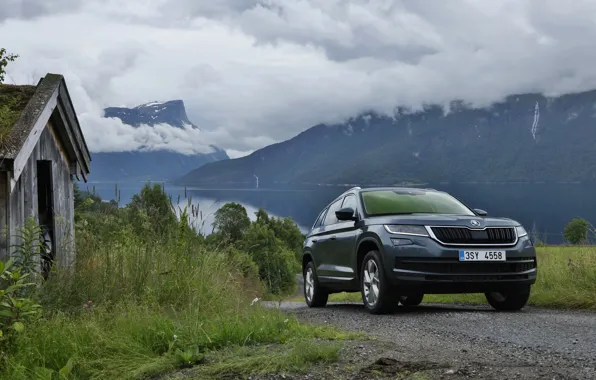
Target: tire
<point x="509" y="300"/>
<point x="314" y="294"/>
<point x="411" y="300"/>
<point x="377" y="299"/>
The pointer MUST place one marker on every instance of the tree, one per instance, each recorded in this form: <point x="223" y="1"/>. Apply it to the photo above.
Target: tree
<point x="5" y="58"/>
<point x="262" y="216"/>
<point x="576" y="231"/>
<point x="231" y="221"/>
<point x="153" y="202"/>
<point x="277" y="267"/>
<point x="286" y="230"/>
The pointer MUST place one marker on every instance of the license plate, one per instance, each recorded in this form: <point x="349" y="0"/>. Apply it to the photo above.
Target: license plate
<point x="465" y="255"/>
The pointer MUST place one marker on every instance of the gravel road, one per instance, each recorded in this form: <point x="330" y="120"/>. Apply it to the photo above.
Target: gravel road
<point x="469" y="342"/>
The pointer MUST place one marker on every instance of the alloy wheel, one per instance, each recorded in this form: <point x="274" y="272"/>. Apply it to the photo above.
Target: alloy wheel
<point x="309" y="284"/>
<point x="371" y="282"/>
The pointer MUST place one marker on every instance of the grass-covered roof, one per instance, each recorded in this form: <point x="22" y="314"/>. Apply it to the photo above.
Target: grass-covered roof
<point x="13" y="100"/>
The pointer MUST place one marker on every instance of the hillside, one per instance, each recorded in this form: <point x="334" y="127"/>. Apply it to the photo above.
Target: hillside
<point x="525" y="138"/>
<point x="143" y="165"/>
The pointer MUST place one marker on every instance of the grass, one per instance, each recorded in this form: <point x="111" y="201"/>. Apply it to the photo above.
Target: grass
<point x="566" y="279"/>
<point x="133" y="342"/>
<point x="13" y="100"/>
<point x="139" y="304"/>
<point x="294" y="357"/>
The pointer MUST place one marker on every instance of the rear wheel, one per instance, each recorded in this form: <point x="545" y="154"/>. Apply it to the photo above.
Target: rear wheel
<point x="314" y="295"/>
<point x="510" y="300"/>
<point x="375" y="289"/>
<point x="411" y="300"/>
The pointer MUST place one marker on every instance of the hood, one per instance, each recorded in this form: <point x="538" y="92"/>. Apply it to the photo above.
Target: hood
<point x="443" y="220"/>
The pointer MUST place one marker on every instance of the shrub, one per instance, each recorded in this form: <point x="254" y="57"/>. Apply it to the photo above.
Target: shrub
<point x="286" y="230"/>
<point x="576" y="231"/>
<point x="277" y="264"/>
<point x="231" y="221"/>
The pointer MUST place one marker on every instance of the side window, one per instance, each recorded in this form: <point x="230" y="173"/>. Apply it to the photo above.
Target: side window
<point x="319" y="220"/>
<point x="350" y="201"/>
<point x="330" y="217"/>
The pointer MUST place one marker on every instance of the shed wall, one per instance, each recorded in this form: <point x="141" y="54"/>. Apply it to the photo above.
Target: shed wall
<point x="23" y="201"/>
<point x="4" y="181"/>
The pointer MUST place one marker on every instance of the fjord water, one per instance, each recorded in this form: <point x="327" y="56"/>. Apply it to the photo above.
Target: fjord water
<point x="542" y="208"/>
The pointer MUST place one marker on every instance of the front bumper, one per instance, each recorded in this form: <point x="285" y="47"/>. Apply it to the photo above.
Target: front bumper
<point x="429" y="267"/>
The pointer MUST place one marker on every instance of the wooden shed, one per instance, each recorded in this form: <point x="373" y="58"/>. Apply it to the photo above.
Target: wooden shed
<point x="42" y="151"/>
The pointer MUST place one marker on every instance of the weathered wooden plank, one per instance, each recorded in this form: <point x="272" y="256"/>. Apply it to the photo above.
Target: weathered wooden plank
<point x="16" y="214"/>
<point x="65" y="133"/>
<point x="73" y="123"/>
<point x="3" y="215"/>
<point x="32" y="139"/>
<point x="29" y="176"/>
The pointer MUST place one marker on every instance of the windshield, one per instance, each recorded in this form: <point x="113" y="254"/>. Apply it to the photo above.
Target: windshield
<point x="410" y="201"/>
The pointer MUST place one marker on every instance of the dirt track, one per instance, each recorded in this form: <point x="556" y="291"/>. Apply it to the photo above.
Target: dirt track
<point x="462" y="342"/>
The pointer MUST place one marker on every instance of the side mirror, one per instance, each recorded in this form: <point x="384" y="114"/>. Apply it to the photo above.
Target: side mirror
<point x="480" y="212"/>
<point x="346" y="213"/>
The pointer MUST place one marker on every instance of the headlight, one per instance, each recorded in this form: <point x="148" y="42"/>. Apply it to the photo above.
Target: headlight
<point x="521" y="231"/>
<point x="406" y="230"/>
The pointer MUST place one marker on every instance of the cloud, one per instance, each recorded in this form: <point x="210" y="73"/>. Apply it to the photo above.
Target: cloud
<point x="256" y="72"/>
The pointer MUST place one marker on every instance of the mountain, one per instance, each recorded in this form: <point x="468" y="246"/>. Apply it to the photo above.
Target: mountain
<point x="523" y="138"/>
<point x="144" y="165"/>
<point x="172" y="112"/>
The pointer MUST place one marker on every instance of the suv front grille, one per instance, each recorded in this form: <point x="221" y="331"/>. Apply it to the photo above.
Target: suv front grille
<point x="463" y="235"/>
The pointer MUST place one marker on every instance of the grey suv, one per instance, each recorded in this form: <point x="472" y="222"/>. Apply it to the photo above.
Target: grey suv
<point x="396" y="244"/>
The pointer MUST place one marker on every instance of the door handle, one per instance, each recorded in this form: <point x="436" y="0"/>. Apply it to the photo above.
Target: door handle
<point x="332" y="237"/>
<point x="314" y="240"/>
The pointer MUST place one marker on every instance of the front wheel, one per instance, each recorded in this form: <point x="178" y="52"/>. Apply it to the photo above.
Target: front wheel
<point x="376" y="292"/>
<point x="511" y="300"/>
<point x="314" y="295"/>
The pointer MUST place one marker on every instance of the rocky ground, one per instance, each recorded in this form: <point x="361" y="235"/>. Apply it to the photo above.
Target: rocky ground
<point x="456" y="342"/>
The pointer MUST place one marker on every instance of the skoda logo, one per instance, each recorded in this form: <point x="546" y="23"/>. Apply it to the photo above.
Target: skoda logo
<point x="474" y="223"/>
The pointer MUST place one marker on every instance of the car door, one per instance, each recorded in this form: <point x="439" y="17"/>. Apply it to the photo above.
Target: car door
<point x="323" y="244"/>
<point x="313" y="237"/>
<point x="346" y="233"/>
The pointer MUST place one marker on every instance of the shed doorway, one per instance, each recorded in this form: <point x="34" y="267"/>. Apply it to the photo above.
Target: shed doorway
<point x="45" y="204"/>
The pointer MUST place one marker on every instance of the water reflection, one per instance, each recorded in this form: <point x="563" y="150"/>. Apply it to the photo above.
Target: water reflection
<point x="544" y="208"/>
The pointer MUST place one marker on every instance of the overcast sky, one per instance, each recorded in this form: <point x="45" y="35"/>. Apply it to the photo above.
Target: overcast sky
<point x="257" y="72"/>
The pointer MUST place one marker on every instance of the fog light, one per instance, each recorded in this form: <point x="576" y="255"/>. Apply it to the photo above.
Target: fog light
<point x="397" y="241"/>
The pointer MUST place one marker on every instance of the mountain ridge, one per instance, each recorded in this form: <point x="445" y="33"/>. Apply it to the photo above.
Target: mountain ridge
<point x="172" y="112"/>
<point x="523" y="138"/>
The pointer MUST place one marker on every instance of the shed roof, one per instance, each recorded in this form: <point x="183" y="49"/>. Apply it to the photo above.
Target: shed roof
<point x="13" y="100"/>
<point x="25" y="112"/>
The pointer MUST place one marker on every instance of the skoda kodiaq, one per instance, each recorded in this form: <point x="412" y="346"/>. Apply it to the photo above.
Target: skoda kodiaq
<point x="396" y="244"/>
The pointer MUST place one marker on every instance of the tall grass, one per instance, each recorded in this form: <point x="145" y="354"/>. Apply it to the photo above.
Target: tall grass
<point x="138" y="304"/>
<point x="566" y="279"/>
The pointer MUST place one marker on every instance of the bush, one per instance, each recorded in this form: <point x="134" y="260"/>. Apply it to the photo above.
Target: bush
<point x="19" y="276"/>
<point x="286" y="230"/>
<point x="277" y="264"/>
<point x="231" y="221"/>
<point x="576" y="231"/>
